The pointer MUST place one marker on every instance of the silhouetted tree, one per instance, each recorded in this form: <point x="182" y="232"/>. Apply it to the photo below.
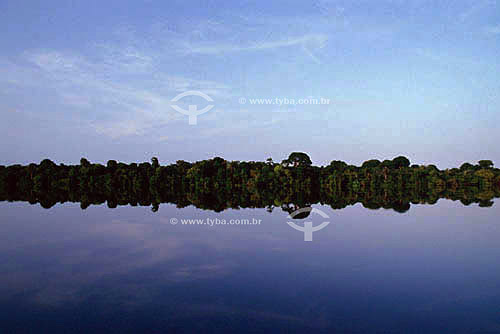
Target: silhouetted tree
<point x="401" y="162"/>
<point x="485" y="163"/>
<point x="296" y="159"/>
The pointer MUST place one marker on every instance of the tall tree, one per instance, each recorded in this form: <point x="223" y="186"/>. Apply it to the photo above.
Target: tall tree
<point x="154" y="162"/>
<point x="485" y="163"/>
<point x="296" y="159"/>
<point x="401" y="162"/>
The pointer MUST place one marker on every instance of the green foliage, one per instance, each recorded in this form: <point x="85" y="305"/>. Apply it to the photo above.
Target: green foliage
<point x="387" y="164"/>
<point x="466" y="166"/>
<point x="485" y="174"/>
<point x="485" y="163"/>
<point x="338" y="165"/>
<point x="84" y="162"/>
<point x="371" y="163"/>
<point x="217" y="184"/>
<point x="111" y="165"/>
<point x="47" y="164"/>
<point x="154" y="162"/>
<point x="401" y="162"/>
<point x="296" y="159"/>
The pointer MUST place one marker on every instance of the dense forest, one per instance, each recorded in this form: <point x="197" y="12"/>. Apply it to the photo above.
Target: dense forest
<point x="217" y="184"/>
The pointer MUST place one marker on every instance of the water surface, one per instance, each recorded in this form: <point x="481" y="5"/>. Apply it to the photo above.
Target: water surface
<point x="433" y="269"/>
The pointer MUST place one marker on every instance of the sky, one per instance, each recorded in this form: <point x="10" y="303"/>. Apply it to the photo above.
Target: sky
<point x="96" y="79"/>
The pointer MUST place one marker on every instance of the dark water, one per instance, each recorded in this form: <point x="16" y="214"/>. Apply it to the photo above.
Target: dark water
<point x="433" y="269"/>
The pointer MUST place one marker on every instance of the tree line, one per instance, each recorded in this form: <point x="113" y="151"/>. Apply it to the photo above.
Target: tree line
<point x="217" y="184"/>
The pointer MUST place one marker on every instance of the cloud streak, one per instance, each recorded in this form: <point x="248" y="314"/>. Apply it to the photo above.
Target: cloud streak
<point x="312" y="40"/>
<point x="494" y="30"/>
<point x="129" y="102"/>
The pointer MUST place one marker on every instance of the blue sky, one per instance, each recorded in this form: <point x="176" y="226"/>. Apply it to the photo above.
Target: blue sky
<point x="95" y="79"/>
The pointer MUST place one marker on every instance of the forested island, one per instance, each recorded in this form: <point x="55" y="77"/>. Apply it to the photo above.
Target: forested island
<point x="217" y="184"/>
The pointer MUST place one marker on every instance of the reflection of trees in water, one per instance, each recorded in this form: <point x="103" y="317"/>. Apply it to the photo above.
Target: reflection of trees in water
<point x="217" y="184"/>
<point x="397" y="205"/>
<point x="225" y="201"/>
<point x="291" y="208"/>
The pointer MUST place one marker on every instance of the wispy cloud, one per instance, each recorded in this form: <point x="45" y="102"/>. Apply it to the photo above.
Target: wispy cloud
<point x="448" y="58"/>
<point x="316" y="40"/>
<point x="475" y="9"/>
<point x="129" y="103"/>
<point x="494" y="30"/>
<point x="239" y="127"/>
<point x="117" y="129"/>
